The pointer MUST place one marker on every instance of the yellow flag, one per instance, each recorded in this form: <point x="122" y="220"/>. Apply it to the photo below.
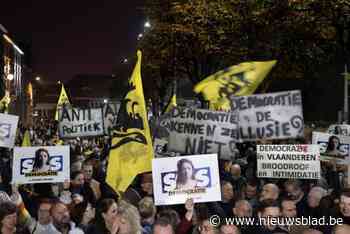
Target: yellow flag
<point x="26" y="139"/>
<point x="5" y="102"/>
<point x="239" y="80"/>
<point x="131" y="151"/>
<point x="62" y="100"/>
<point x="30" y="93"/>
<point x="172" y="103"/>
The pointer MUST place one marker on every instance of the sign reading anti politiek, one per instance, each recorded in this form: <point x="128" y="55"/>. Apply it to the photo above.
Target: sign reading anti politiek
<point x="177" y="179"/>
<point x="76" y="122"/>
<point x="44" y="164"/>
<point x="198" y="131"/>
<point x="270" y="116"/>
<point x="289" y="161"/>
<point x="8" y="128"/>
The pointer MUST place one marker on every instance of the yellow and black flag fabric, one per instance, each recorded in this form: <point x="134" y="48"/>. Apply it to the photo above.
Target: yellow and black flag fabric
<point x="62" y="100"/>
<point x="131" y="150"/>
<point x="239" y="80"/>
<point x="26" y="139"/>
<point x="172" y="101"/>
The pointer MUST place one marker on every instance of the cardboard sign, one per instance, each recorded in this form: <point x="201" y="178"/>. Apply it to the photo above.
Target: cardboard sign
<point x="110" y="114"/>
<point x="76" y="122"/>
<point x="339" y="129"/>
<point x="179" y="178"/>
<point x="332" y="146"/>
<point x="160" y="149"/>
<point x="44" y="164"/>
<point x="289" y="161"/>
<point x="198" y="131"/>
<point x="8" y="128"/>
<point x="270" y="116"/>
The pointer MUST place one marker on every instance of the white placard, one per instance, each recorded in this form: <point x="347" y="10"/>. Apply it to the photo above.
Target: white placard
<point x="339" y="129"/>
<point x="199" y="131"/>
<point x="270" y="116"/>
<point x="289" y="161"/>
<point x="76" y="122"/>
<point x="332" y="147"/>
<point x="110" y="114"/>
<point x="43" y="164"/>
<point x="197" y="178"/>
<point x="8" y="128"/>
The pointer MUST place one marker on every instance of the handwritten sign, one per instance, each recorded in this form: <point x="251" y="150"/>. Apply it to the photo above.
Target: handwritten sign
<point x="76" y="122"/>
<point x="270" y="116"/>
<point x="198" y="131"/>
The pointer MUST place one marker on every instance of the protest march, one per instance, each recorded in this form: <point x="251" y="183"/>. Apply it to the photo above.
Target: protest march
<point x="205" y="124"/>
<point x="190" y="163"/>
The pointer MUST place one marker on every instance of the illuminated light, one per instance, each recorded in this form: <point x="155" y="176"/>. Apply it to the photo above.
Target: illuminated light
<point x="147" y="24"/>
<point x="105" y="100"/>
<point x="125" y="60"/>
<point x="37" y="78"/>
<point x="59" y="82"/>
<point x="13" y="44"/>
<point x="10" y="76"/>
<point x="139" y="36"/>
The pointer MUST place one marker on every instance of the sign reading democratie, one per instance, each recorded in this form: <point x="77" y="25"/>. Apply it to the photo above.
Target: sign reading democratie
<point x="270" y="116"/>
<point x="288" y="161"/>
<point x="176" y="179"/>
<point x="198" y="131"/>
<point x="76" y="122"/>
<point x="44" y="164"/>
<point x="8" y="128"/>
<point x="110" y="114"/>
<point x="332" y="147"/>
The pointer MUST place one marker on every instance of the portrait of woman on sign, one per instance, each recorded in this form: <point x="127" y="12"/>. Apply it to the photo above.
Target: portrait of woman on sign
<point x="186" y="175"/>
<point x="41" y="161"/>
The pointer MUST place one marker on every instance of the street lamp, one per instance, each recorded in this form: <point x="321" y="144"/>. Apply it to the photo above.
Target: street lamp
<point x="37" y="78"/>
<point x="139" y="36"/>
<point x="10" y="76"/>
<point x="105" y="100"/>
<point x="147" y="24"/>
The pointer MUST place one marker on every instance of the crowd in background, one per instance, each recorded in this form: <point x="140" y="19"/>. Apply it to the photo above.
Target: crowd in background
<point x="86" y="204"/>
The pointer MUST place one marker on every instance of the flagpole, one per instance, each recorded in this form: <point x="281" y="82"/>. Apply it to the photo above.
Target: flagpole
<point x="346" y="105"/>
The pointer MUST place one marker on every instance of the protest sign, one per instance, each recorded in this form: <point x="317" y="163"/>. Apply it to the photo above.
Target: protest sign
<point x="176" y="179"/>
<point x="8" y="128"/>
<point x="339" y="129"/>
<point x="76" y="122"/>
<point x="110" y="114"/>
<point x="43" y="164"/>
<point x="160" y="148"/>
<point x="270" y="116"/>
<point x="289" y="161"/>
<point x="332" y="146"/>
<point x="198" y="131"/>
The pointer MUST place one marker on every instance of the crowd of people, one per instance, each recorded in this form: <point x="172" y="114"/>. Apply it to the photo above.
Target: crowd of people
<point x="86" y="204"/>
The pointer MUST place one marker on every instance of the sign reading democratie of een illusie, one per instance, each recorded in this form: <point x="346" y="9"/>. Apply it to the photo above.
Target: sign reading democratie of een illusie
<point x="43" y="164"/>
<point x="199" y="131"/>
<point x="177" y="179"/>
<point x="289" y="161"/>
<point x="332" y="147"/>
<point x="270" y="116"/>
<point x="8" y="128"/>
<point x="76" y="122"/>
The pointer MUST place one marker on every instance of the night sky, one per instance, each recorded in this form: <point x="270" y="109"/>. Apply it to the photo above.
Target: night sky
<point x="74" y="37"/>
